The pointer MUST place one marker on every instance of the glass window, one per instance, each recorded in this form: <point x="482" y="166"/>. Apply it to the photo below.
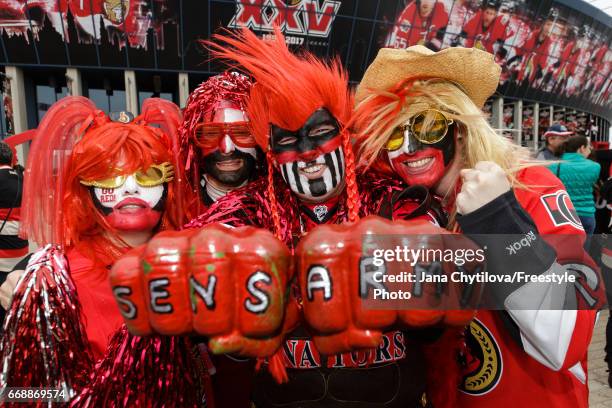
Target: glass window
<point x="161" y="85"/>
<point x="106" y="89"/>
<point x="47" y="96"/>
<point x="108" y="103"/>
<point x="142" y="95"/>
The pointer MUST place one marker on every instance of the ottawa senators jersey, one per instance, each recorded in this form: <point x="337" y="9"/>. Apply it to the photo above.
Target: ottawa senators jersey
<point x="547" y="366"/>
<point x="411" y="28"/>
<point x="484" y="38"/>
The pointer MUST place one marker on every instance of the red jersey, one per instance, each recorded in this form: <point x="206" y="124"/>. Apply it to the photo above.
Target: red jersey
<point x="483" y="38"/>
<point x="568" y="60"/>
<point x="549" y="368"/>
<point x="101" y="315"/>
<point x="412" y="29"/>
<point x="599" y="55"/>
<point x="601" y="66"/>
<point x="584" y="57"/>
<point x="536" y="54"/>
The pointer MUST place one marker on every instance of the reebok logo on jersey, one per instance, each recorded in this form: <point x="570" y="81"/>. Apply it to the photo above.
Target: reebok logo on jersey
<point x="523" y="242"/>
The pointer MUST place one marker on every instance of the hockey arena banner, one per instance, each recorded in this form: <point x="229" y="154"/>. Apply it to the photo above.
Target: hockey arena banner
<point x="556" y="52"/>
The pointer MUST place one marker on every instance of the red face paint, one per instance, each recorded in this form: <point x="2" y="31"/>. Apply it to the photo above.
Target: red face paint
<point x="293" y="155"/>
<point x="425" y="167"/>
<point x="133" y="215"/>
<point x="420" y="163"/>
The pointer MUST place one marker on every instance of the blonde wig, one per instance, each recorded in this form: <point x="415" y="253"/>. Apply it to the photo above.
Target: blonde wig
<point x="379" y="113"/>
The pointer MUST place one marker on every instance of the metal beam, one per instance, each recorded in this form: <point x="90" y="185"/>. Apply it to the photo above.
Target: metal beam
<point x="183" y="88"/>
<point x="74" y="82"/>
<point x="497" y="113"/>
<point x="518" y="122"/>
<point x="536" y="126"/>
<point x="20" y="113"/>
<point x="131" y="92"/>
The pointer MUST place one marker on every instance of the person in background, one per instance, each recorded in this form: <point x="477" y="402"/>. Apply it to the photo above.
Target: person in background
<point x="535" y="52"/>
<point x="486" y="30"/>
<point x="579" y="176"/>
<point x="554" y="138"/>
<point x="422" y="22"/>
<point x="12" y="248"/>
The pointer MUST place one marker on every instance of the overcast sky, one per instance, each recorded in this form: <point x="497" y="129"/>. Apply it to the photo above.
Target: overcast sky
<point x="605" y="5"/>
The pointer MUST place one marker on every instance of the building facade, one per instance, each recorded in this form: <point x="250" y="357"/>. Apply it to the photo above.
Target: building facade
<point x="555" y="55"/>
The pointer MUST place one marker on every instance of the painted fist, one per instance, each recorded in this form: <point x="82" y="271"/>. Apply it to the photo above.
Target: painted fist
<point x="481" y="185"/>
<point x="348" y="280"/>
<point x="226" y="284"/>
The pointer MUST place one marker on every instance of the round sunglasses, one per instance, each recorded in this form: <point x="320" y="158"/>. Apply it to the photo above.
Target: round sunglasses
<point x="428" y="127"/>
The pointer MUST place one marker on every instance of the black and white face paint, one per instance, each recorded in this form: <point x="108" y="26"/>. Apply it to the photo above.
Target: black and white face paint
<point x="311" y="159"/>
<point x="316" y="180"/>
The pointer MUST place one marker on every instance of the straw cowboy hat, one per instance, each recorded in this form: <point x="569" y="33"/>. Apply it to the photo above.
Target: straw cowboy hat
<point x="474" y="70"/>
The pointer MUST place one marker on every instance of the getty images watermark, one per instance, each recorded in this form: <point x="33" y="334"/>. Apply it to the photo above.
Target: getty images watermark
<point x="453" y="271"/>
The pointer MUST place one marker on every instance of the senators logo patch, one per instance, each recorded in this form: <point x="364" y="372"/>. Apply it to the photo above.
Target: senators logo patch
<point x="561" y="210"/>
<point x="484" y="362"/>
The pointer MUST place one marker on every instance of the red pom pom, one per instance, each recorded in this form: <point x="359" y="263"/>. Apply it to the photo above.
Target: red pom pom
<point x="44" y="343"/>
<point x="154" y="371"/>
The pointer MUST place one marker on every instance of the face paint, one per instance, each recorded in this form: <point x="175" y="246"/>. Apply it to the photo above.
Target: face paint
<point x="227" y="146"/>
<point x="225" y="130"/>
<point x="227" y="113"/>
<point x="311" y="159"/>
<point x="224" y="116"/>
<point x="423" y="164"/>
<point x="131" y="207"/>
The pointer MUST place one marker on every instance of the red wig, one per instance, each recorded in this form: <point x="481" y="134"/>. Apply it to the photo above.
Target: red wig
<point x="288" y="89"/>
<point x="74" y="142"/>
<point x="228" y="86"/>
